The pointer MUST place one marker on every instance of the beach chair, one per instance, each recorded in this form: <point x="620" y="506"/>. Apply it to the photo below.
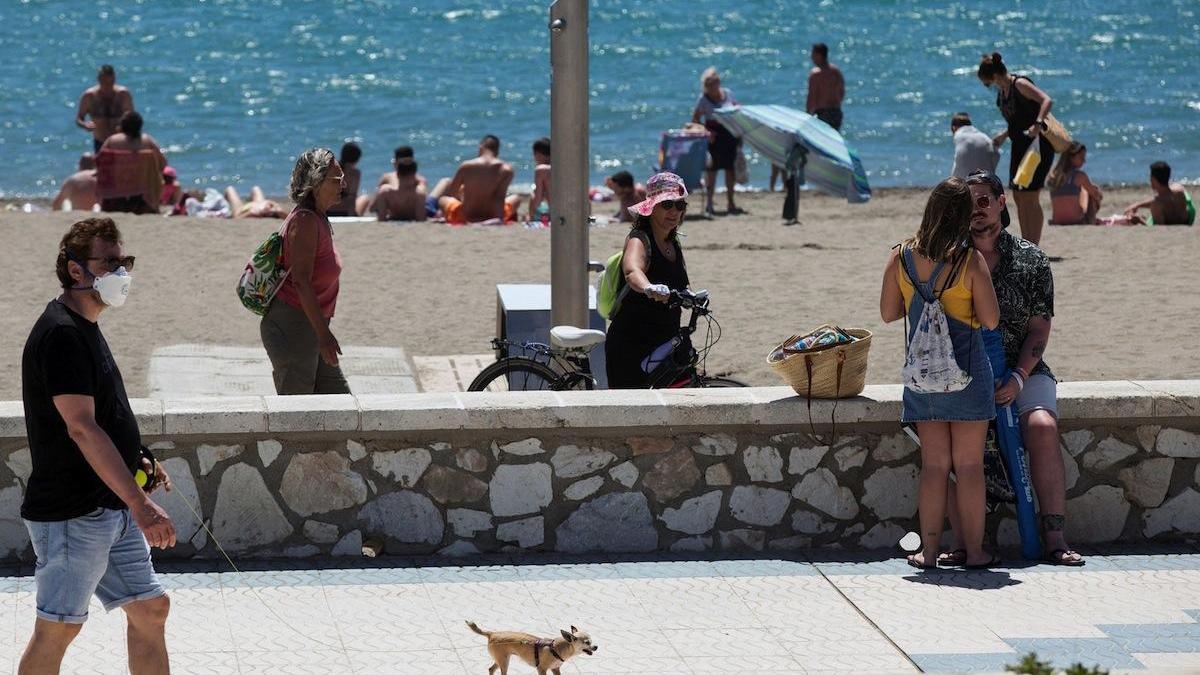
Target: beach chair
<point x="684" y="153"/>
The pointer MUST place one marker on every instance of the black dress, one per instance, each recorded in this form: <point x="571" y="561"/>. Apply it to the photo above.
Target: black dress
<point x="1021" y="113"/>
<point x="642" y="323"/>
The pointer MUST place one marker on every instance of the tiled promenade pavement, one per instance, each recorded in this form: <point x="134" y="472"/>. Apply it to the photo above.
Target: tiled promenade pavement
<point x="1132" y="611"/>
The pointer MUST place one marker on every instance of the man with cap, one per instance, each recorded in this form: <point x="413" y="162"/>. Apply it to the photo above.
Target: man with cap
<point x="1025" y="288"/>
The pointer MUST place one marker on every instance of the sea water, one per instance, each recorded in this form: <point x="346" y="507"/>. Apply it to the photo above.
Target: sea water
<point x="234" y="89"/>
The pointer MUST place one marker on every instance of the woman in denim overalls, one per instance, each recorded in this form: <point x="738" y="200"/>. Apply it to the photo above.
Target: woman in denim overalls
<point x="952" y="426"/>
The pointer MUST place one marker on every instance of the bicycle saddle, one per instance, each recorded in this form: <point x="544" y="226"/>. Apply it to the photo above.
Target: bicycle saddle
<point x="570" y="337"/>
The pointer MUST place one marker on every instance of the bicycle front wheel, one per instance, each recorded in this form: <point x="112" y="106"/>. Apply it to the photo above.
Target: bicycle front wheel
<point x="522" y="374"/>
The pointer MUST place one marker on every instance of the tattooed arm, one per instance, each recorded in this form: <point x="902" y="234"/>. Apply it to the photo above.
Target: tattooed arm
<point x="1035" y="343"/>
<point x="1040" y="298"/>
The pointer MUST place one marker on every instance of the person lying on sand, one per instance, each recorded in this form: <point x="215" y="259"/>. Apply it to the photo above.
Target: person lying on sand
<point x="477" y="192"/>
<point x="258" y="206"/>
<point x="1168" y="206"/>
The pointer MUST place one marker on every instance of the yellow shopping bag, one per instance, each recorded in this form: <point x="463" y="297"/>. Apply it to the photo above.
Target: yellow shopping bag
<point x="1028" y="166"/>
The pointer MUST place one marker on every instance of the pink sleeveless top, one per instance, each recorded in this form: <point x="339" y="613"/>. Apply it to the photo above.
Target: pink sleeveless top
<point x="327" y="266"/>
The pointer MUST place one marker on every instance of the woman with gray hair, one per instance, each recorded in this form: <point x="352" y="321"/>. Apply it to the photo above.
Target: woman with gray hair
<point x="723" y="146"/>
<point x="295" y="329"/>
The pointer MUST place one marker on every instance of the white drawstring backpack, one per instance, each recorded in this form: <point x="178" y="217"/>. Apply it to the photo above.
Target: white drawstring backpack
<point x="929" y="364"/>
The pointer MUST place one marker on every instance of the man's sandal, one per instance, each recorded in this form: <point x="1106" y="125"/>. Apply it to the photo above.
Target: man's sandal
<point x="1060" y="556"/>
<point x="955" y="558"/>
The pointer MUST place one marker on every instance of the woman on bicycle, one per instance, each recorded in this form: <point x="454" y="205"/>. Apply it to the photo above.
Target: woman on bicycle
<point x="653" y="266"/>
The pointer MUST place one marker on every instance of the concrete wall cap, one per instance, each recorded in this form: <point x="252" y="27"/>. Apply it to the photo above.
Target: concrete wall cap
<point x="311" y="413"/>
<point x="212" y="415"/>
<point x="149" y="415"/>
<point x="1079" y="403"/>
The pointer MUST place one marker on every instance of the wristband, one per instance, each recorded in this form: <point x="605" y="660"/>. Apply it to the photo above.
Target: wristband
<point x="1020" y="380"/>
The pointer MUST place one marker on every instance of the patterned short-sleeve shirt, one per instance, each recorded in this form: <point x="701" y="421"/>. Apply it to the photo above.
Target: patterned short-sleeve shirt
<point x="1025" y="289"/>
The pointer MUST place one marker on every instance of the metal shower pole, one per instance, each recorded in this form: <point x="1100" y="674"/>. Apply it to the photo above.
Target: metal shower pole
<point x="569" y="176"/>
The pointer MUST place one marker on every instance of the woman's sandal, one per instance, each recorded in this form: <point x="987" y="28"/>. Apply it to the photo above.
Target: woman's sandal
<point x="912" y="562"/>
<point x="1059" y="557"/>
<point x="955" y="558"/>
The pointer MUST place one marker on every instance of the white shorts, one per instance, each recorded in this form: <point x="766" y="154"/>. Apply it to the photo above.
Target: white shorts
<point x="1040" y="393"/>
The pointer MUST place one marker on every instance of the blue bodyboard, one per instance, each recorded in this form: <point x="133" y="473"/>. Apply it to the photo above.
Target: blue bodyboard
<point x="1012" y="450"/>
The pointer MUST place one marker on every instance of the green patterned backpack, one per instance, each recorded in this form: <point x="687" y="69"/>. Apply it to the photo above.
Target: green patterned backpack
<point x="264" y="275"/>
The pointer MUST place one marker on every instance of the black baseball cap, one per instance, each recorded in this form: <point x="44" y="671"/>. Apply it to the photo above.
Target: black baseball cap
<point x="985" y="177"/>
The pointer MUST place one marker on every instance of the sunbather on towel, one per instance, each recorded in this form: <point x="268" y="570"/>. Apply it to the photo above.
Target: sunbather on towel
<point x="477" y="192"/>
<point x="1169" y="205"/>
<point x="258" y="206"/>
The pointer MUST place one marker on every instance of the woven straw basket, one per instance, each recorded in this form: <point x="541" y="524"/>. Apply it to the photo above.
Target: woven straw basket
<point x="838" y="371"/>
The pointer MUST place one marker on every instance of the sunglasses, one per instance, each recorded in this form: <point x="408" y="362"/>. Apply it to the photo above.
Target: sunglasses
<point x="983" y="202"/>
<point x="111" y="264"/>
<point x="677" y="204"/>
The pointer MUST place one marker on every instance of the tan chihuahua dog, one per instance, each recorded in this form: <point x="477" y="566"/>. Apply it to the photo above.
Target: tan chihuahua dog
<point x="545" y="654"/>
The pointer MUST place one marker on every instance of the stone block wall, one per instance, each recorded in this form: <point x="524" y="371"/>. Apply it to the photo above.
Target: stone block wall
<point x="610" y="471"/>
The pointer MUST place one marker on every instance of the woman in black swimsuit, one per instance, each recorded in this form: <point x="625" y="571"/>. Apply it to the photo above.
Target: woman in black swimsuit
<point x="1025" y="108"/>
<point x="653" y="266"/>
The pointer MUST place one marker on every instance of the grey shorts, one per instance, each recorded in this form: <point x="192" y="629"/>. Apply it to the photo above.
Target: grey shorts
<point x="103" y="553"/>
<point x="1040" y="393"/>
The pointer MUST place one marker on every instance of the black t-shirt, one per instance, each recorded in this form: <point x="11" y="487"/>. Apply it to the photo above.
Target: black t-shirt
<point x="67" y="354"/>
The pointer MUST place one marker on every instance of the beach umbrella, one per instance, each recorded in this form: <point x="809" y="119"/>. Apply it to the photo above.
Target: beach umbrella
<point x="802" y="145"/>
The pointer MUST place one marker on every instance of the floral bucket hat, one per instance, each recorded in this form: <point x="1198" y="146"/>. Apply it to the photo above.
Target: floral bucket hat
<point x="660" y="187"/>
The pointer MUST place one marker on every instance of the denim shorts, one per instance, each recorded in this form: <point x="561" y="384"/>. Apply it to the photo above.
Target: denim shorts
<point x="103" y="553"/>
<point x="1040" y="393"/>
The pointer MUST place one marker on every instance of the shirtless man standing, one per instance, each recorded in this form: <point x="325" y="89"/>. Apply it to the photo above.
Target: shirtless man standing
<point x="477" y="191"/>
<point x="80" y="188"/>
<point x="105" y="103"/>
<point x="1168" y="206"/>
<point x="405" y="201"/>
<point x="826" y="88"/>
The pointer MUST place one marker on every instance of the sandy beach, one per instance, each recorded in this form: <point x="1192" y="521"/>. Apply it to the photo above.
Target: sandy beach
<point x="1125" y="306"/>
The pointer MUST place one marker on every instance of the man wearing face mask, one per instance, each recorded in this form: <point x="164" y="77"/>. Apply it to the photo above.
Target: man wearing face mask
<point x="91" y="525"/>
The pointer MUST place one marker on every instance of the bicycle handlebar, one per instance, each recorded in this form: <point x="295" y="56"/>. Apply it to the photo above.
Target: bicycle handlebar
<point x="688" y="299"/>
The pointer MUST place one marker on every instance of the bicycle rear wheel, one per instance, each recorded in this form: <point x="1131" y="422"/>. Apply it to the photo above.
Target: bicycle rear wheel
<point x="717" y="382"/>
<point x="522" y="374"/>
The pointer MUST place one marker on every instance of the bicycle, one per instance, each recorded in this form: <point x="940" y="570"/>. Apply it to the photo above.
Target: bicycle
<point x="564" y="364"/>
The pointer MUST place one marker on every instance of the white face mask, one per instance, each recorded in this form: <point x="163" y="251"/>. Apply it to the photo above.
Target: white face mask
<point x="113" y="287"/>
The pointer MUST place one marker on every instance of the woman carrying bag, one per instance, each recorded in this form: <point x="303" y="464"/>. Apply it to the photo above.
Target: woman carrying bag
<point x="295" y="329"/>
<point x="1026" y="109"/>
<point x="936" y="278"/>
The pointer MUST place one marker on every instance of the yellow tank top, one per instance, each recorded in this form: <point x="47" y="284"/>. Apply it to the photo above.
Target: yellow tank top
<point x="956" y="299"/>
